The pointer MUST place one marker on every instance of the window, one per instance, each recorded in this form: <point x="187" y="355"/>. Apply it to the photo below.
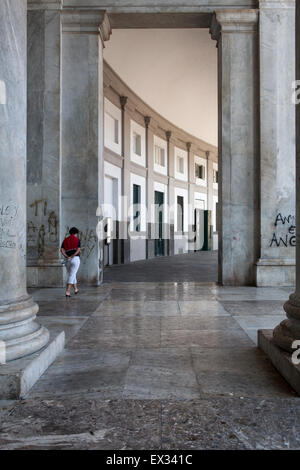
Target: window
<point x="112" y="127"/>
<point x="137" y="143"/>
<point x="200" y="171"/>
<point x="179" y="213"/>
<point x="159" y="155"/>
<point x="216" y="176"/>
<point x="180" y="164"/>
<point x="136" y="208"/>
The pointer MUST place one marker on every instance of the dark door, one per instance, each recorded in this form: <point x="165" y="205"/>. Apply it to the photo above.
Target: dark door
<point x="159" y="207"/>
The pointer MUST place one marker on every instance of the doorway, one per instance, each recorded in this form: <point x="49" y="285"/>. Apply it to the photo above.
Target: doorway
<point x="159" y="248"/>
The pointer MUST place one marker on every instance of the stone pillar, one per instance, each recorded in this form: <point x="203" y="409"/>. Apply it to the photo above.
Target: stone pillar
<point x="276" y="263"/>
<point x="289" y="330"/>
<point x="191" y="183"/>
<point x="171" y="200"/>
<point x="84" y="33"/>
<point x="150" y="249"/>
<point x="20" y="335"/>
<point x="238" y="144"/>
<point x="44" y="268"/>
<point x="125" y="181"/>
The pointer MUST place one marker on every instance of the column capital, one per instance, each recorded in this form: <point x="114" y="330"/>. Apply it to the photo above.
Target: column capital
<point x="147" y="120"/>
<point x="168" y="135"/>
<point x="86" y="22"/>
<point x="237" y="21"/>
<point x="188" y="146"/>
<point x="123" y="101"/>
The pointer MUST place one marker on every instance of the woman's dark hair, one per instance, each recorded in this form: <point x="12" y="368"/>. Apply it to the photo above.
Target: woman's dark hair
<point x="73" y="231"/>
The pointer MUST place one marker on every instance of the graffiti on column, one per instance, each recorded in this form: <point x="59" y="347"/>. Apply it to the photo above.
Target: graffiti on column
<point x="287" y="227"/>
<point x="8" y="219"/>
<point x="52" y="227"/>
<point x="42" y="227"/>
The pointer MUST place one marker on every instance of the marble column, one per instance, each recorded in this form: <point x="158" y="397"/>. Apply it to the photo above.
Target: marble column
<point x="276" y="263"/>
<point x="236" y="32"/>
<point x="84" y="32"/>
<point x="20" y="334"/>
<point x="289" y="330"/>
<point x="44" y="268"/>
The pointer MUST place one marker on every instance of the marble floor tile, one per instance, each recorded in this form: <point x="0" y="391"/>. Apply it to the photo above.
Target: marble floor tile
<point x="171" y="358"/>
<point x="85" y="371"/>
<point x="161" y="308"/>
<point x="201" y="322"/>
<point x="122" y="307"/>
<point x="227" y="383"/>
<point x="247" y="360"/>
<point x="249" y="293"/>
<point x="70" y="325"/>
<point x="144" y="333"/>
<point x="205" y="308"/>
<point x="206" y="338"/>
<point x="253" y="307"/>
<point x="160" y="382"/>
<point x="75" y="306"/>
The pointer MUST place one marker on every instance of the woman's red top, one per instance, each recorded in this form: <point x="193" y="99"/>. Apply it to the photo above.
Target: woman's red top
<point x="70" y="245"/>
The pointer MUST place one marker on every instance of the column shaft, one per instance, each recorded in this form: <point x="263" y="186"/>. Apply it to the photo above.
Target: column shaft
<point x="20" y="335"/>
<point x="43" y="148"/>
<point x="82" y="133"/>
<point x="276" y="265"/>
<point x="238" y="144"/>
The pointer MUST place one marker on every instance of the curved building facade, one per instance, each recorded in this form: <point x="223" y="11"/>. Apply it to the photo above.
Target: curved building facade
<point x="159" y="181"/>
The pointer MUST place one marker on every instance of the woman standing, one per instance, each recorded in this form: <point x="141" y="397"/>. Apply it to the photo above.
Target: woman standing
<point x="70" y="248"/>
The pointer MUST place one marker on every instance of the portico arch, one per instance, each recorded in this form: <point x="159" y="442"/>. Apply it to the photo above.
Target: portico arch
<point x="244" y="258"/>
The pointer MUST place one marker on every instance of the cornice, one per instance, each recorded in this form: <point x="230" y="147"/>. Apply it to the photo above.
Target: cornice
<point x="238" y="21"/>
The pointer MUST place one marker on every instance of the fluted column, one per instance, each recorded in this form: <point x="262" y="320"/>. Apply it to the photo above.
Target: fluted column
<point x="20" y="335"/>
<point x="289" y="330"/>
<point x="236" y="32"/>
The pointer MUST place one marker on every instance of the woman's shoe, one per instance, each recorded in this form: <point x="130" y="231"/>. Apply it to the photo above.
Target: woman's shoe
<point x="68" y="295"/>
<point x="76" y="292"/>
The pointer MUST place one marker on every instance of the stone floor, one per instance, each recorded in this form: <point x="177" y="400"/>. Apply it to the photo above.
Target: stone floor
<point x="157" y="366"/>
<point x="201" y="266"/>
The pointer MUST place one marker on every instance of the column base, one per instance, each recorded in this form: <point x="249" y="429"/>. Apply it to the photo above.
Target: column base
<point x="275" y="273"/>
<point x="19" y="376"/>
<point x="280" y="359"/>
<point x="45" y="276"/>
<point x="20" y="334"/>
